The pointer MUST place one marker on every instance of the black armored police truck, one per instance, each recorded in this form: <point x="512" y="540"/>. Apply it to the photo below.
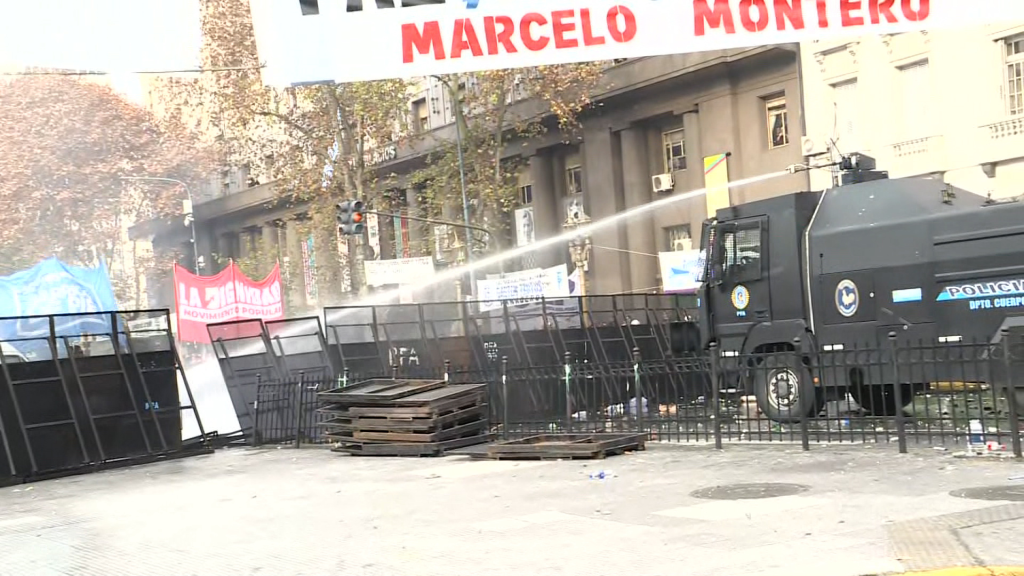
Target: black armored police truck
<point x="792" y="278"/>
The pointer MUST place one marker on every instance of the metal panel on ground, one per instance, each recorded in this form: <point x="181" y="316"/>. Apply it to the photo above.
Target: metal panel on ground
<point x="406" y="417"/>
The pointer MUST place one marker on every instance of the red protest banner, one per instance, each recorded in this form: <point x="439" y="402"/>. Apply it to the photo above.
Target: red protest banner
<point x="230" y="295"/>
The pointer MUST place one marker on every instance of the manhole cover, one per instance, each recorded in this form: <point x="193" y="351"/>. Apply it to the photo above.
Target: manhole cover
<point x="997" y="493"/>
<point x="748" y="491"/>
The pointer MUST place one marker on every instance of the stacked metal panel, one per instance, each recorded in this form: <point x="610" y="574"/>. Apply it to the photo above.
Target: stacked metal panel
<point x="394" y="417"/>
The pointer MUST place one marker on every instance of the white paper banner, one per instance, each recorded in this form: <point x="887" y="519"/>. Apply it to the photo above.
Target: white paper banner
<point x="403" y="271"/>
<point x="680" y="271"/>
<point x="521" y="287"/>
<point x="386" y="39"/>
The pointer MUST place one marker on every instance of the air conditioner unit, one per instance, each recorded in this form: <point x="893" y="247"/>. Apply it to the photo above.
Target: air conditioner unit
<point x="663" y="183"/>
<point x="813" y="146"/>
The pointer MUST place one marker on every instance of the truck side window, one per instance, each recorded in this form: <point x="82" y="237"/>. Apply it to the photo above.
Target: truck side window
<point x="742" y="249"/>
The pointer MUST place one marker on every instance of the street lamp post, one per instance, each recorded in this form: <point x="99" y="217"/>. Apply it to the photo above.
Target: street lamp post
<point x="190" y="218"/>
<point x="579" y="251"/>
<point x="457" y="107"/>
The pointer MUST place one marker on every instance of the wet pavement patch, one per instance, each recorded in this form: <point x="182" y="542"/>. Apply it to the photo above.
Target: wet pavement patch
<point x="748" y="491"/>
<point x="1013" y="493"/>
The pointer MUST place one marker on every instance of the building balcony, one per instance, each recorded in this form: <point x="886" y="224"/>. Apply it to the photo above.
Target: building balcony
<point x="1001" y="140"/>
<point x="917" y="156"/>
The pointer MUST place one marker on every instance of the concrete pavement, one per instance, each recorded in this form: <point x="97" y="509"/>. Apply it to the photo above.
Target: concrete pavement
<point x="846" y="511"/>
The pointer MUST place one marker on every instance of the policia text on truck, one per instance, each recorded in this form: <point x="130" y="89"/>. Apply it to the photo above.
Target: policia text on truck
<point x="790" y="277"/>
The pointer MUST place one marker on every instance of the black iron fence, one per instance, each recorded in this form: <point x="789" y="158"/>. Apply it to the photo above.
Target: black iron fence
<point x="465" y="340"/>
<point x="286" y="413"/>
<point x="949" y="395"/>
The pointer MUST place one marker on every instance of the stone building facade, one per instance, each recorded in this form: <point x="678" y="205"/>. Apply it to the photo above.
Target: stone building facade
<point x="946" y="103"/>
<point x="652" y="117"/>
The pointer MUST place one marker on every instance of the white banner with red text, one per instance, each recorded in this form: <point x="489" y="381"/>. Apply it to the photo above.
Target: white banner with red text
<point x="352" y="40"/>
<point x="230" y="295"/>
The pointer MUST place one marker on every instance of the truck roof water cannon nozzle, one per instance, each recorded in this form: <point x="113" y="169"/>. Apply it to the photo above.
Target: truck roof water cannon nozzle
<point x="853" y="168"/>
<point x="858" y="168"/>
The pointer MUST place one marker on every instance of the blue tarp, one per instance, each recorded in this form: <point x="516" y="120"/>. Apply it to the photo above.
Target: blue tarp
<point x="52" y="287"/>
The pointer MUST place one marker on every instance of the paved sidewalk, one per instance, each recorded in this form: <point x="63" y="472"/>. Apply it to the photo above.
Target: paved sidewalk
<point x="295" y="512"/>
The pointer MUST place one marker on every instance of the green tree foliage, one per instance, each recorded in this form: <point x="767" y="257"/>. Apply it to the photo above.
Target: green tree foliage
<point x="65" y="146"/>
<point x="292" y="136"/>
<point x="496" y="108"/>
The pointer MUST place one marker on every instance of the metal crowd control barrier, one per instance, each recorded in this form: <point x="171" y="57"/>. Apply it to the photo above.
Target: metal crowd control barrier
<point x="476" y="334"/>
<point x="949" y="396"/>
<point x="426" y="339"/>
<point x="628" y="376"/>
<point x="81" y="391"/>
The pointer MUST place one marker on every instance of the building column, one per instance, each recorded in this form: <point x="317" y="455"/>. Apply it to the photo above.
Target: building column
<point x="272" y="239"/>
<point x="206" y="243"/>
<point x="547" y="210"/>
<point x="291" y="264"/>
<point x="223" y="253"/>
<point x="637" y="191"/>
<point x="246" y="242"/>
<point x="604" y="198"/>
<point x="416" y="235"/>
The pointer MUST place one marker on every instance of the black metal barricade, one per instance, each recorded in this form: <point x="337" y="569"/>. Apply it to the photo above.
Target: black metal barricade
<point x="609" y="364"/>
<point x="476" y="334"/>
<point x="245" y="355"/>
<point x="299" y="347"/>
<point x="78" y="391"/>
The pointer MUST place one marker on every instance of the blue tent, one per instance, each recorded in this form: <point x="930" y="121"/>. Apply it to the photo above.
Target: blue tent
<point x="52" y="287"/>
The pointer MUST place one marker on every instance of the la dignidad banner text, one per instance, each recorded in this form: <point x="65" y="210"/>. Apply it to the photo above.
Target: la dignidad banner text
<point x="230" y="295"/>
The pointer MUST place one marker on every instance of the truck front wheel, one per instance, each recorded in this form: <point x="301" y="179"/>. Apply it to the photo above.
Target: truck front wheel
<point x="784" y="389"/>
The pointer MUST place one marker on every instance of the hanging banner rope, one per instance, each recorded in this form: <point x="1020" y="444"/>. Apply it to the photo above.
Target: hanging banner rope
<point x="349" y="40"/>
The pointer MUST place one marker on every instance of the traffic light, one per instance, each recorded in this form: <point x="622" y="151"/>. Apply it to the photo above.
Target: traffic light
<point x="351" y="218"/>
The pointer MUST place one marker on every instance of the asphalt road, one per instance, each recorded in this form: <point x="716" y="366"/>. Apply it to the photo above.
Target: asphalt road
<point x="846" y="511"/>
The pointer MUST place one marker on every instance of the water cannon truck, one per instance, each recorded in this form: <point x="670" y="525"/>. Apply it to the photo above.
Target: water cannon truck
<point x="793" y="276"/>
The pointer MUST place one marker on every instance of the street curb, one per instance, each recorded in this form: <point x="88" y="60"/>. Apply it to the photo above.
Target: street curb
<point x="923" y="545"/>
<point x="973" y="571"/>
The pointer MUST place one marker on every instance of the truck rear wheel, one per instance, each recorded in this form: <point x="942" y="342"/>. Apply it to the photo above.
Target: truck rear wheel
<point x="784" y="389"/>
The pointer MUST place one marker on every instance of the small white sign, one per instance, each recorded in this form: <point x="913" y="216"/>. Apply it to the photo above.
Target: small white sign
<point x="521" y="287"/>
<point x="680" y="271"/>
<point x="398" y="272"/>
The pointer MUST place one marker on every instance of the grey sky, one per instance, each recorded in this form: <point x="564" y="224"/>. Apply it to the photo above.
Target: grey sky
<point x="104" y="35"/>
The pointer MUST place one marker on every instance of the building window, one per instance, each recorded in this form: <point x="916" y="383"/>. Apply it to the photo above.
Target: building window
<point x="915" y="85"/>
<point x="679" y="239"/>
<point x="573" y="180"/>
<point x="674" y="143"/>
<point x="526" y="194"/>
<point x="778" y="122"/>
<point x="1014" y="75"/>
<point x="420" y="115"/>
<point x="844" y="97"/>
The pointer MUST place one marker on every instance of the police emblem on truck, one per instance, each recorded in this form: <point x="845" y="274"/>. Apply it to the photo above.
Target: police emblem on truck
<point x="847" y="298"/>
<point x="740" y="297"/>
